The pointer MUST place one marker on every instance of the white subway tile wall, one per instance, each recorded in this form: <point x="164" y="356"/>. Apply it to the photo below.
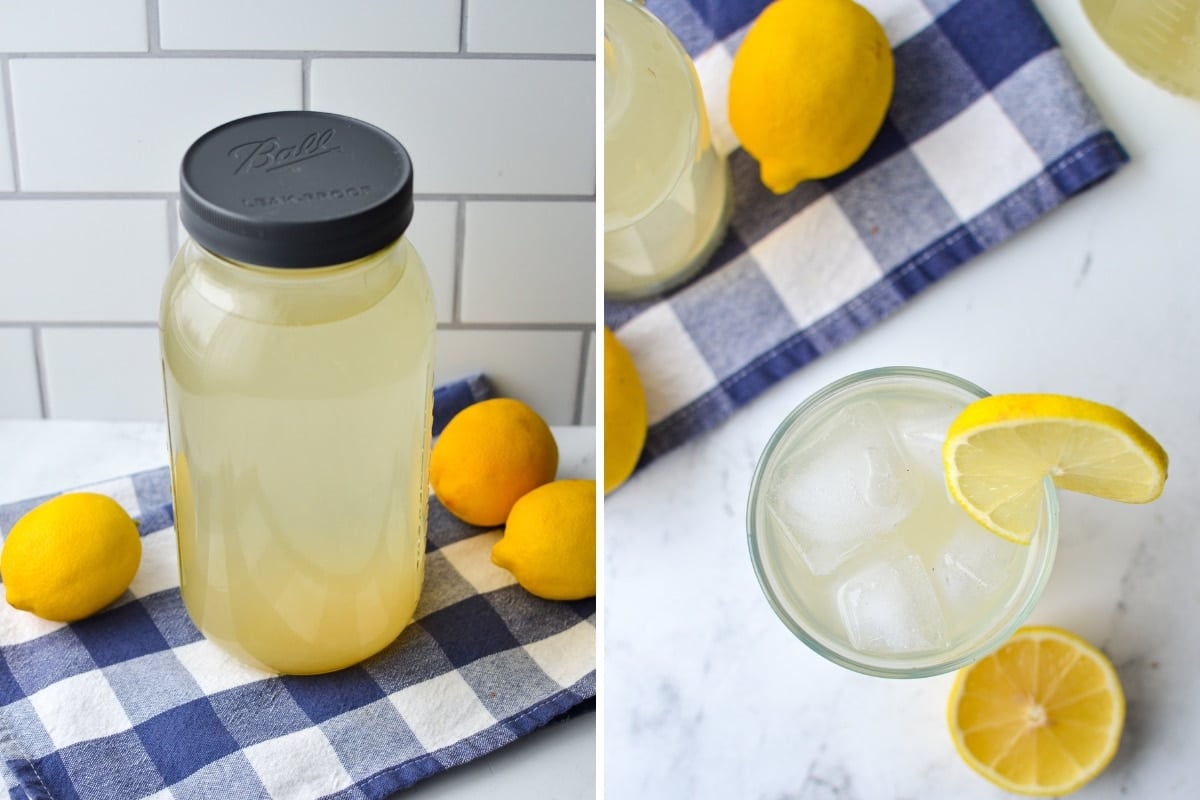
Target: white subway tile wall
<point x="513" y="250"/>
<point x="523" y="358"/>
<point x="82" y="260"/>
<point x="65" y="26"/>
<point x="101" y="373"/>
<point x="503" y="26"/>
<point x="494" y="99"/>
<point x="19" y="396"/>
<point x="348" y="25"/>
<point x="121" y="124"/>
<point x="475" y="125"/>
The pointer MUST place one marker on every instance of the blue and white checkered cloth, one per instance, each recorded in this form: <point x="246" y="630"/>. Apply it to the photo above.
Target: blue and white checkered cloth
<point x="987" y="131"/>
<point x="134" y="703"/>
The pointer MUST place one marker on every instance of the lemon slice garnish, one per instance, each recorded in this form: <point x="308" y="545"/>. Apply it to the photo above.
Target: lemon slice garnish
<point x="1001" y="448"/>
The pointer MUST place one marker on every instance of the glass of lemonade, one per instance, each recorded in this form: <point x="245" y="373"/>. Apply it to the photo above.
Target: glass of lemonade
<point x="858" y="545"/>
<point x="1158" y="39"/>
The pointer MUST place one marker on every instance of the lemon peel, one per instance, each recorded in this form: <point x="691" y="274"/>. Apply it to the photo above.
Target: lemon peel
<point x="810" y="86"/>
<point x="71" y="556"/>
<point x="549" y="543"/>
<point x="490" y="455"/>
<point x="624" y="413"/>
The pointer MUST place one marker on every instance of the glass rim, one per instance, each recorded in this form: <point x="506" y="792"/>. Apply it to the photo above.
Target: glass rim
<point x="1031" y="586"/>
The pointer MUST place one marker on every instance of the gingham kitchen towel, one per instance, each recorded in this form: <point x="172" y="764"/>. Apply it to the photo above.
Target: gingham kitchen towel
<point x="134" y="703"/>
<point x="988" y="130"/>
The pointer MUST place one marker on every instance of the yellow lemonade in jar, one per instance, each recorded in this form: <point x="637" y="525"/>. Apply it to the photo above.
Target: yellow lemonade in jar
<point x="299" y="408"/>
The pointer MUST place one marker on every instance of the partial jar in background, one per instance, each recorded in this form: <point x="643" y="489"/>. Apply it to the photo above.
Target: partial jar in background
<point x="1158" y="39"/>
<point x="666" y="189"/>
<point x="297" y="328"/>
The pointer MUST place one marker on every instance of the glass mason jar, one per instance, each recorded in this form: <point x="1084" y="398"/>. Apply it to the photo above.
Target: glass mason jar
<point x="666" y="189"/>
<point x="297" y="329"/>
<point x="860" y="549"/>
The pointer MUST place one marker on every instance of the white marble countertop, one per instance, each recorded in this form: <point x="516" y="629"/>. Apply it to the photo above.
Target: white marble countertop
<point x="705" y="693"/>
<point x="557" y="762"/>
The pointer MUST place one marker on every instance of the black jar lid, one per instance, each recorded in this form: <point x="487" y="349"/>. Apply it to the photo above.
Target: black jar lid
<point x="296" y="189"/>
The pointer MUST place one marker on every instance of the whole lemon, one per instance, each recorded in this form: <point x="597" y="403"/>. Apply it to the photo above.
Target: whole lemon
<point x="810" y="86"/>
<point x="488" y="456"/>
<point x="549" y="543"/>
<point x="624" y="413"/>
<point x="70" y="557"/>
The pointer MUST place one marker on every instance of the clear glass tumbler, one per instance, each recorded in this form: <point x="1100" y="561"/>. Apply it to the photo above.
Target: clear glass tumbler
<point x="858" y="545"/>
<point x="1158" y="39"/>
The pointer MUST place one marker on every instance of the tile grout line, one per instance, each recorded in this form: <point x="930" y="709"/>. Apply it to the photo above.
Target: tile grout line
<point x="39" y="364"/>
<point x="82" y="195"/>
<point x="169" y="195"/>
<point x="153" y="32"/>
<point x="172" y="228"/>
<point x="581" y="383"/>
<point x="71" y="324"/>
<point x="306" y="83"/>
<point x="462" y="27"/>
<point x="290" y="55"/>
<point x="460" y="239"/>
<point x="6" y="97"/>
<point x="483" y="197"/>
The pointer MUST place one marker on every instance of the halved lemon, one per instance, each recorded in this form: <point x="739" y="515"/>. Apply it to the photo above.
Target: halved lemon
<point x="1001" y="448"/>
<point x="1040" y="716"/>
